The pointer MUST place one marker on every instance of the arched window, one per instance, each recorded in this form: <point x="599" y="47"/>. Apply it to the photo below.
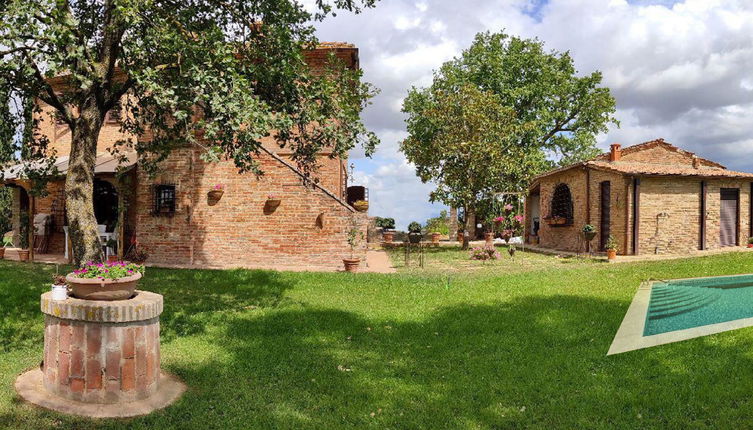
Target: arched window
<point x="562" y="204"/>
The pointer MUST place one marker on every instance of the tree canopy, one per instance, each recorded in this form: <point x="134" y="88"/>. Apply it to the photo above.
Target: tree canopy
<point x="216" y="74"/>
<point x="500" y="113"/>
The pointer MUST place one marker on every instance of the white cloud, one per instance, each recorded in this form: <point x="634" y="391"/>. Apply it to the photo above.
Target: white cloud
<point x="678" y="70"/>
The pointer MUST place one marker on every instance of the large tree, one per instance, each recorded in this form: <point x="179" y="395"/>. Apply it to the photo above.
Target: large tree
<point x="217" y="74"/>
<point x="502" y="112"/>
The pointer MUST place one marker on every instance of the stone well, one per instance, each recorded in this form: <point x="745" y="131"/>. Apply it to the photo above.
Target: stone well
<point x="101" y="357"/>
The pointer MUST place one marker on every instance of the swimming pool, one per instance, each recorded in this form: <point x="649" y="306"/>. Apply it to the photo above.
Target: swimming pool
<point x="673" y="310"/>
<point x="687" y="303"/>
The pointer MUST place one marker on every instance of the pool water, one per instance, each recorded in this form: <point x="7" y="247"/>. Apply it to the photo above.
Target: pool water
<point x="687" y="303"/>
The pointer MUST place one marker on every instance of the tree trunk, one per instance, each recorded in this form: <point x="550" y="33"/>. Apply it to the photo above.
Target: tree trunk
<point x="79" y="187"/>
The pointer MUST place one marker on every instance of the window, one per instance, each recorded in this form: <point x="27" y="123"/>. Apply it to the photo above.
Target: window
<point x="562" y="204"/>
<point x="164" y="200"/>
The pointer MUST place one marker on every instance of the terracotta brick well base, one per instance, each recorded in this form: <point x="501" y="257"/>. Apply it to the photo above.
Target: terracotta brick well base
<point x="102" y="353"/>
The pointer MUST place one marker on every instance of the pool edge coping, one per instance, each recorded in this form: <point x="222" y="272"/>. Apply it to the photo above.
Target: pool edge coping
<point x="629" y="336"/>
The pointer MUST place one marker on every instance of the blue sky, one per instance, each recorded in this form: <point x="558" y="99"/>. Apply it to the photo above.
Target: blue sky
<point x="681" y="70"/>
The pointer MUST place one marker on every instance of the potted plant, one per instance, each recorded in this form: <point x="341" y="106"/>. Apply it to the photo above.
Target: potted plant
<point x="216" y="192"/>
<point x="59" y="288"/>
<point x="355" y="235"/>
<point x="611" y="247"/>
<point x="105" y="281"/>
<point x="460" y="235"/>
<point x="489" y="237"/>
<point x="361" y="205"/>
<point x="414" y="232"/>
<point x="750" y="242"/>
<point x="589" y="232"/>
<point x="7" y="243"/>
<point x="23" y="252"/>
<point x="273" y="201"/>
<point x="435" y="235"/>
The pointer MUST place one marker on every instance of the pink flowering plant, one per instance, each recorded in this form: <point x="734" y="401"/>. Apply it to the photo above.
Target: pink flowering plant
<point x="484" y="253"/>
<point x="218" y="187"/>
<point x="112" y="270"/>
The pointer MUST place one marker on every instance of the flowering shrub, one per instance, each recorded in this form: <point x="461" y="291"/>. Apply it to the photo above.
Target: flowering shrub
<point x="483" y="254"/>
<point x="112" y="270"/>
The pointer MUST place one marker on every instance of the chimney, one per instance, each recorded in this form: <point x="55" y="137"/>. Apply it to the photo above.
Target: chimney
<point x="696" y="162"/>
<point x="616" y="152"/>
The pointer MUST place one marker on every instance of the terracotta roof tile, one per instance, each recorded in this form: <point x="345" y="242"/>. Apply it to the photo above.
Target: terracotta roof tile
<point x="653" y="169"/>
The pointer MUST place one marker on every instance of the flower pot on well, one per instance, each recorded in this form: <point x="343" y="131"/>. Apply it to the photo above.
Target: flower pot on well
<point x="23" y="254"/>
<point x="388" y="236"/>
<point x="351" y="264"/>
<point x="106" y="290"/>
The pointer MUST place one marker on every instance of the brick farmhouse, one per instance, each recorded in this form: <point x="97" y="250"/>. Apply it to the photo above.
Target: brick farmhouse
<point x="653" y="198"/>
<point x="175" y="220"/>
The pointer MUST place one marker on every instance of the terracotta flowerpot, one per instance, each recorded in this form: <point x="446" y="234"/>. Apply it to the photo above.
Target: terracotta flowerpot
<point x="23" y="254"/>
<point x="388" y="236"/>
<point x="112" y="258"/>
<point x="105" y="290"/>
<point x="214" y="196"/>
<point x="361" y="206"/>
<point x="489" y="238"/>
<point x="2" y="252"/>
<point x="435" y="238"/>
<point x="351" y="264"/>
<point x="611" y="254"/>
<point x="460" y="236"/>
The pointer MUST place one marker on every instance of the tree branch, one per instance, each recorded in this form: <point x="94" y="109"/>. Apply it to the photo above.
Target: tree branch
<point x="51" y="98"/>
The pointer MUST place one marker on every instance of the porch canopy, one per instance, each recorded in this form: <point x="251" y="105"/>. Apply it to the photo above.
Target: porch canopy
<point x="105" y="165"/>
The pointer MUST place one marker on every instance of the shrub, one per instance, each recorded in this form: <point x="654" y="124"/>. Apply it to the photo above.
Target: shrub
<point x="483" y="253"/>
<point x="588" y="228"/>
<point x="611" y="243"/>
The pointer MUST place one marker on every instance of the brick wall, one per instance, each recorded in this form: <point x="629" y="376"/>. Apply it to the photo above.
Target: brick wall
<point x="669" y="215"/>
<point x="308" y="230"/>
<point x="620" y="203"/>
<point x="564" y="238"/>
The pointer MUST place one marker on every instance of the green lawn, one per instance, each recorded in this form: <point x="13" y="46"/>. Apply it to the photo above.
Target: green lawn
<point x="510" y="344"/>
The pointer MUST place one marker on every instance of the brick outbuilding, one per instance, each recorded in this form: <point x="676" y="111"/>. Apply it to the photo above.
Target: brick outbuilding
<point x="652" y="198"/>
<point x="173" y="217"/>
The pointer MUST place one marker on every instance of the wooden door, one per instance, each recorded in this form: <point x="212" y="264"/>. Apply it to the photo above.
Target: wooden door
<point x="728" y="216"/>
<point x="606" y="214"/>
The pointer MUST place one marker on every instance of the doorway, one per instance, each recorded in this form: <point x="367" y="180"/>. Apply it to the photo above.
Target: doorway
<point x="729" y="217"/>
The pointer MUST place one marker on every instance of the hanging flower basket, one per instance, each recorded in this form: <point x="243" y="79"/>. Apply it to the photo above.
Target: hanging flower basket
<point x="361" y="205"/>
<point x="216" y="192"/>
<point x="273" y="201"/>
